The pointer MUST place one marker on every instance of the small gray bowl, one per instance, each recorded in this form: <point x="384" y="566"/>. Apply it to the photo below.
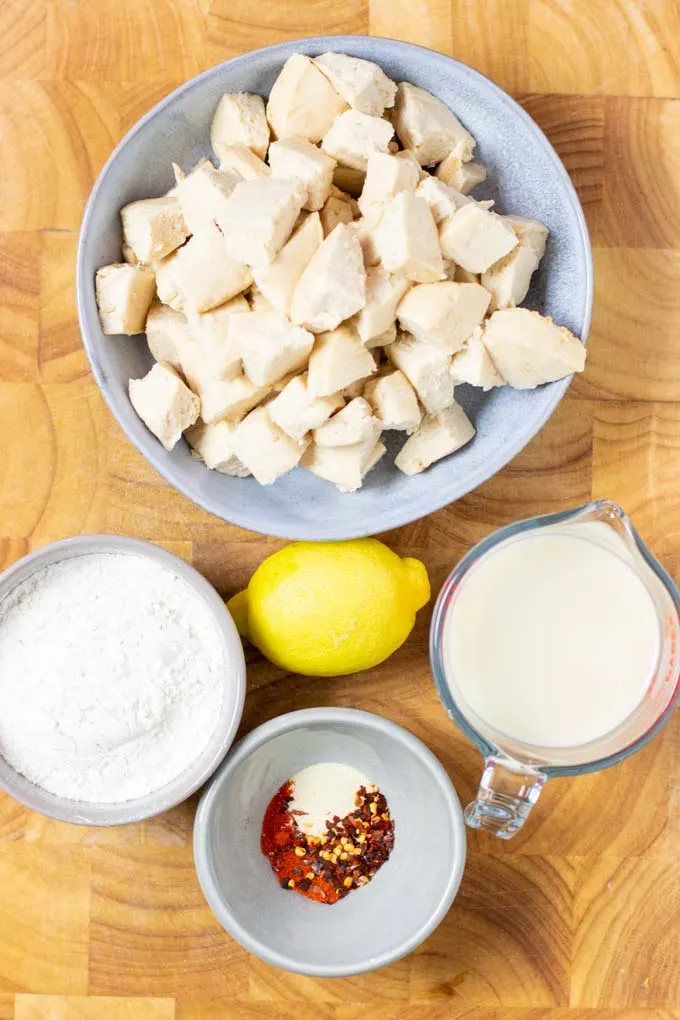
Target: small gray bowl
<point x="525" y="177"/>
<point x="86" y="813"/>
<point x="374" y="925"/>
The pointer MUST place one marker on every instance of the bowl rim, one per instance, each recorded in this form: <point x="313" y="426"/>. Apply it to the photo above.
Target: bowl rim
<point x="290" y="721"/>
<point x="398" y="514"/>
<point x="78" y="812"/>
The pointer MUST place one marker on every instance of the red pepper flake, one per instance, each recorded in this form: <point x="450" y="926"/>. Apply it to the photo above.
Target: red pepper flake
<point x="346" y="857"/>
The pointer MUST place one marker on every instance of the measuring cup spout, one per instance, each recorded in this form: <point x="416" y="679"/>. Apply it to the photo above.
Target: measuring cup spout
<point x="507" y="792"/>
<point x="611" y="514"/>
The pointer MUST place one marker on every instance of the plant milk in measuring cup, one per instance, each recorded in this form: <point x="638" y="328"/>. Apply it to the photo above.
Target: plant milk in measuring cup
<point x="554" y="646"/>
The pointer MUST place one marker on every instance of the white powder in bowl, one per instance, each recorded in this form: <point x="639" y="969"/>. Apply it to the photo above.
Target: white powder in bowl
<point x="322" y="791"/>
<point x="111" y="677"/>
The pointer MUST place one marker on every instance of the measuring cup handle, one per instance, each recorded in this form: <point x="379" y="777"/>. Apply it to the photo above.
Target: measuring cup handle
<point x="507" y="792"/>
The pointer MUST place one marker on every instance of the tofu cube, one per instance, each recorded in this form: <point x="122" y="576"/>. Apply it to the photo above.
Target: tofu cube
<point x="354" y="390"/>
<point x="361" y="83"/>
<point x="280" y="384"/>
<point x="270" y="346"/>
<point x="354" y="136"/>
<point x="376" y="454"/>
<point x="450" y="270"/>
<point x="333" y="285"/>
<point x="278" y="279"/>
<point x="260" y="216"/>
<point x="192" y="364"/>
<point x="240" y="120"/>
<point x="394" y="402"/>
<point x="382" y="339"/>
<point x="386" y="176"/>
<point x="153" y="227"/>
<point x="365" y="229"/>
<point x="297" y="411"/>
<point x="216" y="350"/>
<point x="334" y="211"/>
<point x="257" y="302"/>
<point x="163" y="402"/>
<point x="406" y="239"/>
<point x="461" y="275"/>
<point x="215" y="323"/>
<point x="407" y="155"/>
<point x="166" y="288"/>
<point x="355" y="423"/>
<point x="264" y="448"/>
<point x="204" y="272"/>
<point x="296" y="157"/>
<point x="442" y="200"/>
<point x="349" y="180"/>
<point x="302" y="102"/>
<point x="344" y="196"/>
<point x="230" y="399"/>
<point x="531" y="234"/>
<point x="179" y="174"/>
<point x="345" y="466"/>
<point x="128" y="255"/>
<point x="214" y="445"/>
<point x="458" y="174"/>
<point x="437" y="436"/>
<point x="383" y="294"/>
<point x="508" y="280"/>
<point x="475" y="238"/>
<point x="241" y="161"/>
<point x="124" y="294"/>
<point x="203" y="195"/>
<point x="443" y="314"/>
<point x="427" y="369"/>
<point x="529" y="349"/>
<point x="164" y="329"/>
<point x="337" y="360"/>
<point x="427" y="127"/>
<point x="473" y="365"/>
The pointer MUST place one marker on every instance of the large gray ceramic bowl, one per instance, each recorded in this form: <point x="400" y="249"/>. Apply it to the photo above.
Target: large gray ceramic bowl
<point x="374" y="925"/>
<point x="525" y="177"/>
<point x="85" y="812"/>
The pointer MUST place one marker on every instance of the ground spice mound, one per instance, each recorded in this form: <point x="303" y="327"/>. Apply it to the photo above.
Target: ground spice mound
<point x="326" y="868"/>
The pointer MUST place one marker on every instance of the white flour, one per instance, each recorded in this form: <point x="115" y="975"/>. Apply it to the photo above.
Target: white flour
<point x="111" y="677"/>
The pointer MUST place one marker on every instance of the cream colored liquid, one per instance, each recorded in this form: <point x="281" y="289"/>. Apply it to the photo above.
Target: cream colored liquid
<point x="552" y="639"/>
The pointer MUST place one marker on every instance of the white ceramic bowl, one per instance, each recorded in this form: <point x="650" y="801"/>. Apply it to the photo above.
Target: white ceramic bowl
<point x="83" y="812"/>
<point x="525" y="177"/>
<point x="373" y="926"/>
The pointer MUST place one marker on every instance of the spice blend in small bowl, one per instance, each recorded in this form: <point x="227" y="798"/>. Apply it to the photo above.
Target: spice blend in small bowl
<point x="326" y="863"/>
<point x="388" y="916"/>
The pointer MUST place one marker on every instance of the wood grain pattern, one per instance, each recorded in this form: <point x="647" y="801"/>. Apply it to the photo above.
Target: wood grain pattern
<point x="71" y="1007"/>
<point x="493" y="37"/>
<point x="61" y="355"/>
<point x="636" y="326"/>
<point x="19" y="305"/>
<point x="578" y="918"/>
<point x="425" y="22"/>
<point x="610" y="47"/>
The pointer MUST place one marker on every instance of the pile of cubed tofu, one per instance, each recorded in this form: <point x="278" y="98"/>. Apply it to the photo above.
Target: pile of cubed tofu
<point x="330" y="280"/>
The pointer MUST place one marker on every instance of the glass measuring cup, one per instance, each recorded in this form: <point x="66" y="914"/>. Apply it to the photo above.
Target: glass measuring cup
<point x="515" y="772"/>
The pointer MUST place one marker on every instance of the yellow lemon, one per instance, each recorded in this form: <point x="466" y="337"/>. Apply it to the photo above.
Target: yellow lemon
<point x="329" y="608"/>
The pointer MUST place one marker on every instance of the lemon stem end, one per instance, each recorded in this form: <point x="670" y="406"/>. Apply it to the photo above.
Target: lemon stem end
<point x="418" y="581"/>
